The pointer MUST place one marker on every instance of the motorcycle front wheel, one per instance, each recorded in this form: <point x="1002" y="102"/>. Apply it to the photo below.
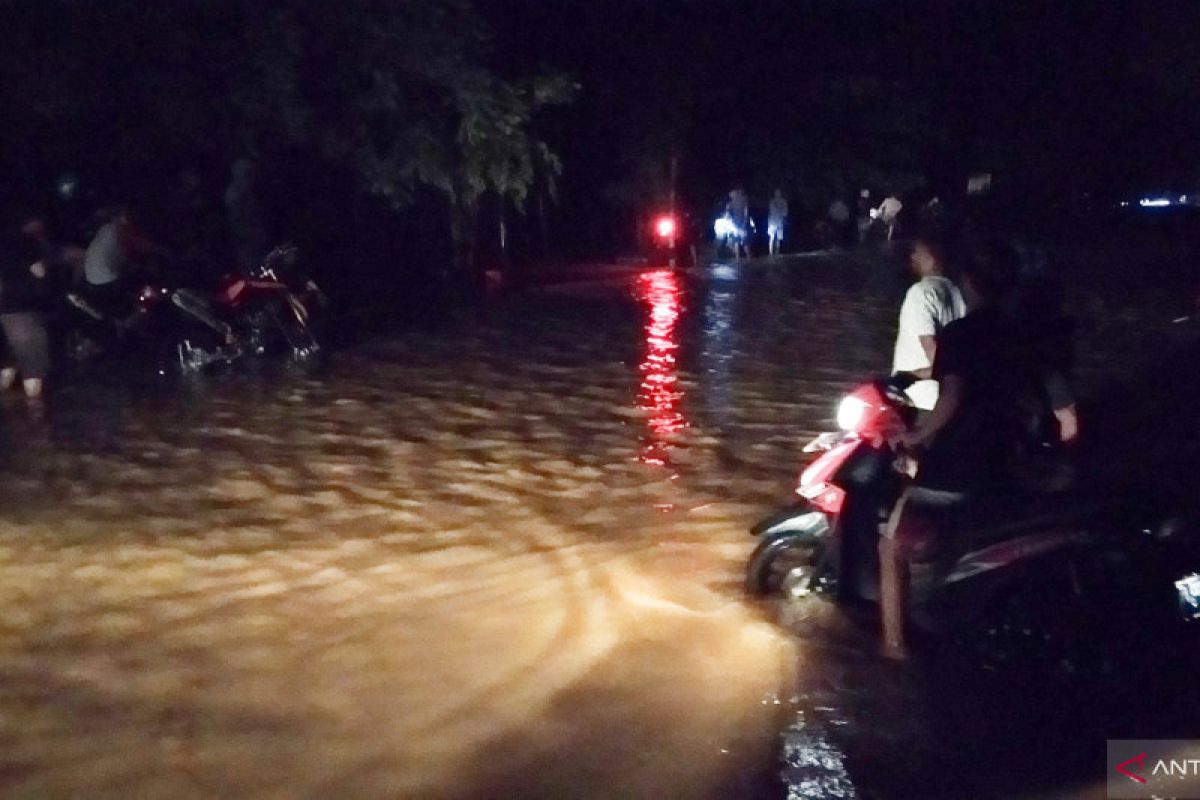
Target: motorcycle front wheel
<point x="788" y="563"/>
<point x="188" y="353"/>
<point x="293" y="321"/>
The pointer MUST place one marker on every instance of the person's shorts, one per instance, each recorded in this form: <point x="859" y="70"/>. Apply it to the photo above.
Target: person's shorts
<point x="918" y="519"/>
<point x="28" y="344"/>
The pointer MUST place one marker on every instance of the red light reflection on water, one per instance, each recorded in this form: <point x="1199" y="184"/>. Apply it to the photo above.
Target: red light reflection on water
<point x="659" y="394"/>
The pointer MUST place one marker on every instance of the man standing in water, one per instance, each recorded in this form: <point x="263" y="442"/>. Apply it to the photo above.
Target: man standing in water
<point x="738" y="209"/>
<point x="930" y="304"/>
<point x="889" y="212"/>
<point x="776" y="221"/>
<point x="24" y="291"/>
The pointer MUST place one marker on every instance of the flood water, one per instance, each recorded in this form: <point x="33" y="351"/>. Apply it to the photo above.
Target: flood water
<point x="502" y="560"/>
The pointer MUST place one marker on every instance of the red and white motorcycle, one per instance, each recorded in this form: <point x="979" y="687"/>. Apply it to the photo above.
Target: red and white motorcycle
<point x="1043" y="568"/>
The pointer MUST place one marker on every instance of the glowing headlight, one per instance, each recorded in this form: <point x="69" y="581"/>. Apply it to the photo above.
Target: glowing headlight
<point x="724" y="227"/>
<point x="850" y="413"/>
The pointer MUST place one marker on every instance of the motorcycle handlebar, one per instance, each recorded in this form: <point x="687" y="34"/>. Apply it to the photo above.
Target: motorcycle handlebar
<point x="899" y="381"/>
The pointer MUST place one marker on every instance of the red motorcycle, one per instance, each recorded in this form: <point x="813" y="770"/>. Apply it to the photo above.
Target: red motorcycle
<point x="272" y="308"/>
<point x="671" y="242"/>
<point x="1018" y="572"/>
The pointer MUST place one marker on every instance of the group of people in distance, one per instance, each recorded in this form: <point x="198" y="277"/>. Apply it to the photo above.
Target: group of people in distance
<point x="737" y="224"/>
<point x="991" y="378"/>
<point x="101" y="253"/>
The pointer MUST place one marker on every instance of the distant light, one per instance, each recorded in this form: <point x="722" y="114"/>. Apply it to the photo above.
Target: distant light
<point x="1183" y="198"/>
<point x="665" y="227"/>
<point x="1154" y="202"/>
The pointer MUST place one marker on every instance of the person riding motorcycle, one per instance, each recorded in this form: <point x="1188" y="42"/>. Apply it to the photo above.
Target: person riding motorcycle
<point x="971" y="442"/>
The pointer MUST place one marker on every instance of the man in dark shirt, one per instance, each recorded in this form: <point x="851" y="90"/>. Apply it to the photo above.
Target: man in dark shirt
<point x="969" y="438"/>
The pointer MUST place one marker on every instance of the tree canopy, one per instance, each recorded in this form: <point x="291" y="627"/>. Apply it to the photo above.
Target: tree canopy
<point x="401" y="94"/>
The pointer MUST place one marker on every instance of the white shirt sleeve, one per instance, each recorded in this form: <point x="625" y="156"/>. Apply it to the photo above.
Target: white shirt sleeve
<point x="918" y="314"/>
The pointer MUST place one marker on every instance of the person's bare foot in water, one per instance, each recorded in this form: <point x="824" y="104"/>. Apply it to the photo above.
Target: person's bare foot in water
<point x="893" y="651"/>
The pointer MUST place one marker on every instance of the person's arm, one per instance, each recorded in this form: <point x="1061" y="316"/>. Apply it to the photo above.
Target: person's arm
<point x="929" y="345"/>
<point x="138" y="245"/>
<point x="1068" y="423"/>
<point x="949" y="398"/>
<point x="1062" y="403"/>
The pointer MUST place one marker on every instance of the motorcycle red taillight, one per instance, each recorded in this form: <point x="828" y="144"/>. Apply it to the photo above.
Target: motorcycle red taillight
<point x="665" y="226"/>
<point x="151" y="295"/>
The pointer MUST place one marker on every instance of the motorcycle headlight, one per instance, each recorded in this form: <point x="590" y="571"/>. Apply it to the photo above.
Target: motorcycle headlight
<point x="850" y="413"/>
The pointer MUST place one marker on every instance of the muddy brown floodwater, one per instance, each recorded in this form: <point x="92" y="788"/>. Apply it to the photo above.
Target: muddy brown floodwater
<point x="499" y="561"/>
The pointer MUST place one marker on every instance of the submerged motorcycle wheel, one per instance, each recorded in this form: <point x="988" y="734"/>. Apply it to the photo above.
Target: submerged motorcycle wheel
<point x="782" y="563"/>
<point x="188" y="355"/>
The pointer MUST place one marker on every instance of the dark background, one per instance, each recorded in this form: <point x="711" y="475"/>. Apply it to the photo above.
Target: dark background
<point x="1062" y="102"/>
<point x="1071" y="107"/>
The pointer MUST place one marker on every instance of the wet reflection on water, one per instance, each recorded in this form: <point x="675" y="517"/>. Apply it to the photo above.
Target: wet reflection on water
<point x="659" y="394"/>
<point x="718" y="343"/>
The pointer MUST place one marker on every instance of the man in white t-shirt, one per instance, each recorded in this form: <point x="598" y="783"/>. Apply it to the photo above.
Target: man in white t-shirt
<point x="889" y="211"/>
<point x="932" y="303"/>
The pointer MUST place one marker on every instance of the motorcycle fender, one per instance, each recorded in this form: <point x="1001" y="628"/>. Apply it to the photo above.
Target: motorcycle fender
<point x="798" y="521"/>
<point x="1008" y="553"/>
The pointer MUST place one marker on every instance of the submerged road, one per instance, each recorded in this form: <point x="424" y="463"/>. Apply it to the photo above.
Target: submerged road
<point x="501" y="561"/>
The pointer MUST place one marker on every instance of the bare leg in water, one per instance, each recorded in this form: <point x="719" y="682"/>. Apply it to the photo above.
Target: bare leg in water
<point x="894" y="577"/>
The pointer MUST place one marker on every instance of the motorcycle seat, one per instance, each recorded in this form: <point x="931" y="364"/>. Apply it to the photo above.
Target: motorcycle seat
<point x="995" y="519"/>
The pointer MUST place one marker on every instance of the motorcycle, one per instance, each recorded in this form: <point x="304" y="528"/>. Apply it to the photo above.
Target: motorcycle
<point x="1033" y="574"/>
<point x="670" y="243"/>
<point x="171" y="330"/>
<point x="272" y="307"/>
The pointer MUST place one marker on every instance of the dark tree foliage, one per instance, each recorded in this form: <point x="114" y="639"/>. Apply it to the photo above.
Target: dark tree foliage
<point x="398" y="95"/>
